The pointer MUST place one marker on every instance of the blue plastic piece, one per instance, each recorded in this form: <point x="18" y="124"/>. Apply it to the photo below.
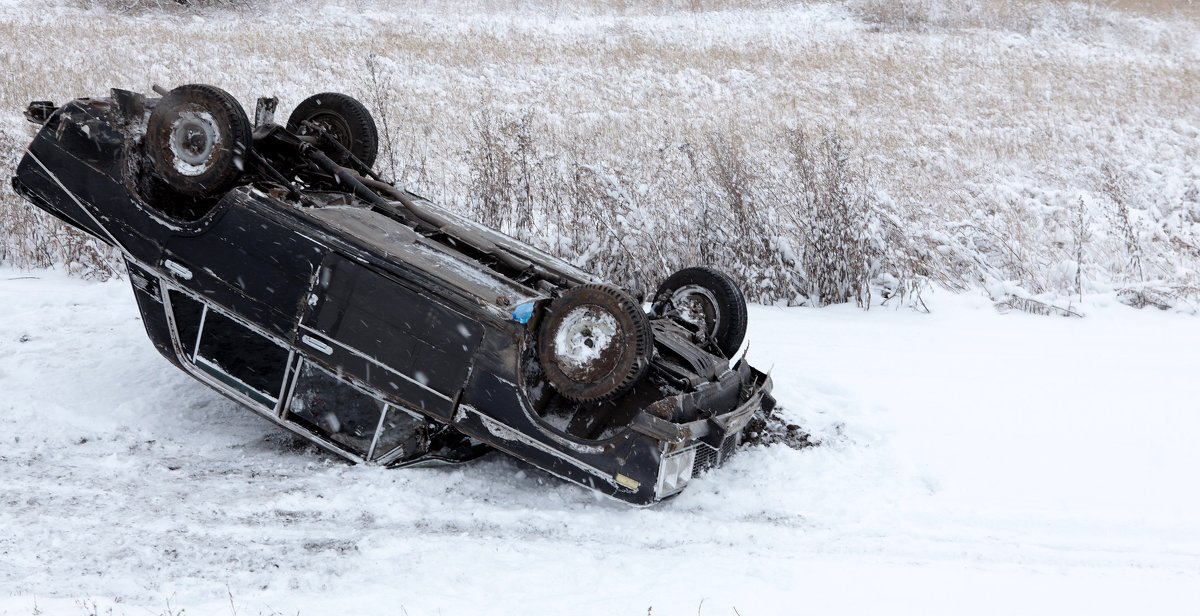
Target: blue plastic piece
<point x="523" y="313"/>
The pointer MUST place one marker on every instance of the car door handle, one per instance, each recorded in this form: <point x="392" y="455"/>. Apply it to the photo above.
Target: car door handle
<point x="178" y="270"/>
<point x="316" y="344"/>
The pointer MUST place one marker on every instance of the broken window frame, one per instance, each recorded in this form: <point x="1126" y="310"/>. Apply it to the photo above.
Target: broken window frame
<point x="296" y="370"/>
<point x="210" y="367"/>
<point x="277" y="406"/>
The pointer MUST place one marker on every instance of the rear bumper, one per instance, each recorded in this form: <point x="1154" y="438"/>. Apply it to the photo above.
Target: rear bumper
<point x="43" y="204"/>
<point x="743" y="389"/>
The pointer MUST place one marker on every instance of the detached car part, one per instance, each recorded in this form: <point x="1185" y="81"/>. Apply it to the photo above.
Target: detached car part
<point x="272" y="264"/>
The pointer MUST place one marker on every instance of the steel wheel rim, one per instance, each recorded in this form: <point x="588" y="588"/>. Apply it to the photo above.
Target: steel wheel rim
<point x="696" y="305"/>
<point x="193" y="141"/>
<point x="588" y="343"/>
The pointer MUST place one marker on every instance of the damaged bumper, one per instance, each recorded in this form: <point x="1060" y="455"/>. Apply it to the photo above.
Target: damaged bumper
<point x="689" y="449"/>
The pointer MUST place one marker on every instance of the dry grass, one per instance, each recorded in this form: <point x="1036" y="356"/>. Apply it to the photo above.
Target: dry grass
<point x="1158" y="8"/>
<point x="978" y="124"/>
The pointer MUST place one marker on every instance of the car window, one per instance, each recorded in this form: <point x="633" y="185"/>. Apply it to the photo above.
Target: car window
<point x="239" y="357"/>
<point x="334" y="409"/>
<point x="342" y="413"/>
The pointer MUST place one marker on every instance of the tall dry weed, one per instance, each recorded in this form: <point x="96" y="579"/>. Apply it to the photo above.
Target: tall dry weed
<point x="600" y="130"/>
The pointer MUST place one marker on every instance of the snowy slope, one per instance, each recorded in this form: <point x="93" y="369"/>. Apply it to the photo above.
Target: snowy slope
<point x="973" y="463"/>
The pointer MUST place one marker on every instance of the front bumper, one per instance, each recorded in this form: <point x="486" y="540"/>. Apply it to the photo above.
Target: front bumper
<point x="692" y="448"/>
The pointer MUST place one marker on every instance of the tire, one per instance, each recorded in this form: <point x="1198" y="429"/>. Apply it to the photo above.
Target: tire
<point x="707" y="300"/>
<point x="196" y="139"/>
<point x="594" y="343"/>
<point x="345" y="119"/>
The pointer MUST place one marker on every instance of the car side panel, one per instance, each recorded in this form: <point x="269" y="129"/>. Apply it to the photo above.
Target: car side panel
<point x="148" y="292"/>
<point x="250" y="262"/>
<point x="494" y="410"/>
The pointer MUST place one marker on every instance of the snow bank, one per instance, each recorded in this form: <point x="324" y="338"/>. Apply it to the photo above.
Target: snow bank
<point x="971" y="462"/>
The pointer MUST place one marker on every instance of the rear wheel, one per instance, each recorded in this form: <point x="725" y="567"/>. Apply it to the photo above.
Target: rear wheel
<point x="709" y="302"/>
<point x="196" y="138"/>
<point x="345" y="119"/>
<point x="594" y="343"/>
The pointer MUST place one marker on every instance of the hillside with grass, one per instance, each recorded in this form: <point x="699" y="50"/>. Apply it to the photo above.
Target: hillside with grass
<point x="820" y="152"/>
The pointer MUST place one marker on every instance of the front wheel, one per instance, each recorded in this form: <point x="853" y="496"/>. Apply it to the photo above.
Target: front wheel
<point x="594" y="343"/>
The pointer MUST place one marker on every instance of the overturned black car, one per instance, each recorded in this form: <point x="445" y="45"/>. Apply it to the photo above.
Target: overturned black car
<point x="271" y="263"/>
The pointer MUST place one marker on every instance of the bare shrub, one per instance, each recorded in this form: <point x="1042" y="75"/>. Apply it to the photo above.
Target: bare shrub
<point x="140" y="6"/>
<point x="382" y="99"/>
<point x="1082" y="235"/>
<point x="855" y="238"/>
<point x="1152" y="239"/>
<point x="1086" y="20"/>
<point x="32" y="238"/>
<point x="893" y="14"/>
<point x="541" y="187"/>
<point x="1114" y="187"/>
<point x="506" y="183"/>
<point x="613" y="229"/>
<point x="817" y="233"/>
<point x="834" y="218"/>
<point x="740" y="223"/>
<point x="1033" y="306"/>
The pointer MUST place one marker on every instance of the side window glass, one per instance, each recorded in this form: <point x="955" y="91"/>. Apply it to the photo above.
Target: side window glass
<point x="334" y="409"/>
<point x="237" y="356"/>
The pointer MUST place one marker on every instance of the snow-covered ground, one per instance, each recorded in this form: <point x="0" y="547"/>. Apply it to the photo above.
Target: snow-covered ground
<point x="973" y="463"/>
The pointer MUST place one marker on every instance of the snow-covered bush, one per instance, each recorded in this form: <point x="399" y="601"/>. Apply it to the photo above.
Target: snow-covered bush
<point x="834" y="216"/>
<point x="893" y="14"/>
<point x="816" y="230"/>
<point x="1035" y="150"/>
<point x="136" y="6"/>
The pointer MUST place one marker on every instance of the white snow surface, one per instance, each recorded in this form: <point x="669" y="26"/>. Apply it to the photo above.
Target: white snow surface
<point x="972" y="463"/>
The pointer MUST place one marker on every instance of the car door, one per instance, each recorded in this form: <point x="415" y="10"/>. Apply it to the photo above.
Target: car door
<point x="235" y="293"/>
<point x="250" y="260"/>
<point x="391" y="336"/>
<point x="264" y="372"/>
<point x="351" y="417"/>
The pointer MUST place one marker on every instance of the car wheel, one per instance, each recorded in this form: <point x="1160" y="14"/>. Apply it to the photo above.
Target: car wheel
<point x="345" y="119"/>
<point x="709" y="302"/>
<point x="196" y="139"/>
<point x="594" y="343"/>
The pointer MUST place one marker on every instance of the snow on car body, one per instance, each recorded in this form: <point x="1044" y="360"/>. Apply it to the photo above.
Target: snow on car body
<point x="370" y="321"/>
